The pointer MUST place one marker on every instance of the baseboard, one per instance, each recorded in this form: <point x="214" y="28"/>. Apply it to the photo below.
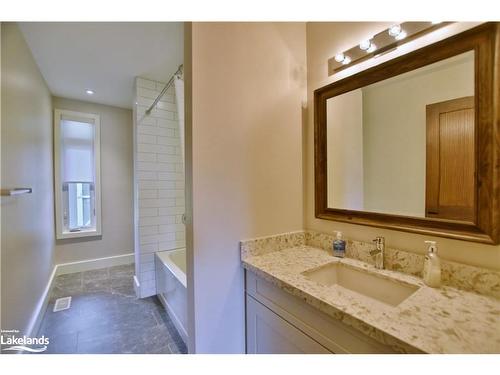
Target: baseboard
<point x="36" y="319"/>
<point x="93" y="264"/>
<point x="137" y="287"/>
<point x="180" y="329"/>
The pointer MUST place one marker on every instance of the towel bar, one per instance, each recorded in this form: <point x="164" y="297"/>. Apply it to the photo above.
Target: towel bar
<point x="16" y="191"/>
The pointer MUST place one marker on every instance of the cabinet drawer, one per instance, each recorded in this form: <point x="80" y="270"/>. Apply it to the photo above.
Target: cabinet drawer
<point x="330" y="333"/>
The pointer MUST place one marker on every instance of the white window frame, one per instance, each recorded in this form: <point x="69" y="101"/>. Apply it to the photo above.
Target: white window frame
<point x="59" y="206"/>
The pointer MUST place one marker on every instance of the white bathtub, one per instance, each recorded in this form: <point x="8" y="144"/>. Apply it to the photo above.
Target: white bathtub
<point x="171" y="286"/>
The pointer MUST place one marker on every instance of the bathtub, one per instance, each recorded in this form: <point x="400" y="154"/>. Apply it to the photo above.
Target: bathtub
<point x="171" y="286"/>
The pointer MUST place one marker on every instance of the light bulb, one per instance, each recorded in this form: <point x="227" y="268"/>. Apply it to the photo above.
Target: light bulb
<point x="368" y="46"/>
<point x="89" y="92"/>
<point x="346" y="60"/>
<point x="395" y="30"/>
<point x="435" y="22"/>
<point x="372" y="48"/>
<point x="365" y="45"/>
<point x="339" y="57"/>
<point x="401" y="35"/>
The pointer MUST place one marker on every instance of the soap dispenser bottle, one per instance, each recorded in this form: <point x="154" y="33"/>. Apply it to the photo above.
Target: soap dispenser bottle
<point x="432" y="266"/>
<point x="339" y="246"/>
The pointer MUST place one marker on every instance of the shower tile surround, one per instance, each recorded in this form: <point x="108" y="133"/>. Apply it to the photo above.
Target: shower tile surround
<point x="159" y="180"/>
<point x="450" y="319"/>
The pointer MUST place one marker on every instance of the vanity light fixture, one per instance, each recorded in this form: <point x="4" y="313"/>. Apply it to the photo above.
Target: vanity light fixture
<point x="368" y="46"/>
<point x="347" y="60"/>
<point x="365" y="44"/>
<point x="379" y="44"/>
<point x="339" y="57"/>
<point x="343" y="59"/>
<point x="89" y="92"/>
<point x="401" y="35"/>
<point x="395" y="30"/>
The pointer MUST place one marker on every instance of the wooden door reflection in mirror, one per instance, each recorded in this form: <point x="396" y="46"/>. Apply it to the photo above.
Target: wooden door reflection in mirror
<point x="450" y="160"/>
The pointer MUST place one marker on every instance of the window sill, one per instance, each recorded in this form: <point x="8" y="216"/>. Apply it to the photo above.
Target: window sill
<point x="82" y="233"/>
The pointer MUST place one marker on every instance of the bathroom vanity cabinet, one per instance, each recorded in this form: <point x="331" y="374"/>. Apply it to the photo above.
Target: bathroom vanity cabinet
<point x="278" y="322"/>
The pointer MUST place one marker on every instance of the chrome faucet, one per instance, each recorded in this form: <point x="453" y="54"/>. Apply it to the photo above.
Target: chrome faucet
<point x="378" y="252"/>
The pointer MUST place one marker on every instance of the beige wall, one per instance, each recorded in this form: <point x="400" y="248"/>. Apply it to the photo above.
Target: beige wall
<point x="28" y="220"/>
<point x="116" y="186"/>
<point x="248" y="85"/>
<point x="394" y="132"/>
<point x="323" y="41"/>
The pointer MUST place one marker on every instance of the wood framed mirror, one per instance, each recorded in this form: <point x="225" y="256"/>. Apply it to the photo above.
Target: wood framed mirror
<point x="413" y="144"/>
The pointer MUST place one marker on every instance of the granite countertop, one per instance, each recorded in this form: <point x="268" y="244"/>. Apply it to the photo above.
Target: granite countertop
<point x="441" y="320"/>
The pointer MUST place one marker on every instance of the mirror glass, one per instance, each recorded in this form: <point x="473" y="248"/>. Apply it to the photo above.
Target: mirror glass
<point x="405" y="145"/>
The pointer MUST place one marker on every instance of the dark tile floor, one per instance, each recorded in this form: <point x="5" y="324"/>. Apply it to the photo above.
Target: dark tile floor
<point x="106" y="317"/>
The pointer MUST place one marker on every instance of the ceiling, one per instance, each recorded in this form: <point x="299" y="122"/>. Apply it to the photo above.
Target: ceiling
<point x="104" y="56"/>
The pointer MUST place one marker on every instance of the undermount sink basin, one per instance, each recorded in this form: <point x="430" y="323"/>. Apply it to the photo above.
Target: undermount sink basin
<point x="359" y="281"/>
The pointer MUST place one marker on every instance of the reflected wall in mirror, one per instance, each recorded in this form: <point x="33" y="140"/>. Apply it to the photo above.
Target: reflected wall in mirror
<point x="405" y="145"/>
<point x="413" y="144"/>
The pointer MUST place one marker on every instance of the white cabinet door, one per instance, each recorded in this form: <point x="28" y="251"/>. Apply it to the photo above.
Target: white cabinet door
<point x="267" y="333"/>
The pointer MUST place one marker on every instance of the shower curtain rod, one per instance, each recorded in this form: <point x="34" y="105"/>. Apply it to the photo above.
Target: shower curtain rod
<point x="179" y="70"/>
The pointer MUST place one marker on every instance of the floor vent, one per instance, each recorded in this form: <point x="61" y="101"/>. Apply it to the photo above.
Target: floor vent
<point x="62" y="304"/>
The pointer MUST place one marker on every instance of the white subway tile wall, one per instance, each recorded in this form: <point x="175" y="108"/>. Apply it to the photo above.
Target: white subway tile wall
<point x="159" y="175"/>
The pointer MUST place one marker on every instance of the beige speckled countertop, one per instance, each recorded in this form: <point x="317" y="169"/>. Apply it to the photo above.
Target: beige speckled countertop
<point x="444" y="320"/>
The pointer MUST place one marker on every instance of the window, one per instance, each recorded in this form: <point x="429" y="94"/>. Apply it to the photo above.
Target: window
<point x="77" y="174"/>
